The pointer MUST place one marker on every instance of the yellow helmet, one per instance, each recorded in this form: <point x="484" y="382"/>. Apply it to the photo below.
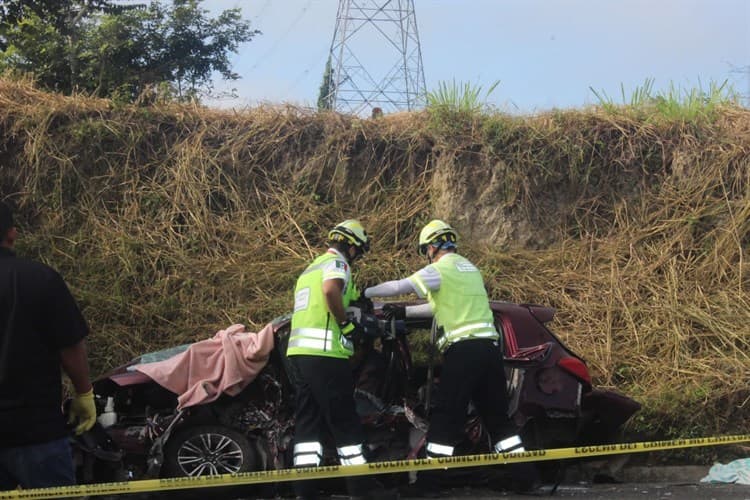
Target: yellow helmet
<point x="436" y="231"/>
<point x="351" y="231"/>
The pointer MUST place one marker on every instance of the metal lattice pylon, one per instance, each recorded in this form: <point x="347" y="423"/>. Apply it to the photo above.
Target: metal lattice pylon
<point x="375" y="59"/>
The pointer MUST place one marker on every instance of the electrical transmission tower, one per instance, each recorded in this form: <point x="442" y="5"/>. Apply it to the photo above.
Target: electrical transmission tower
<point x="375" y="59"/>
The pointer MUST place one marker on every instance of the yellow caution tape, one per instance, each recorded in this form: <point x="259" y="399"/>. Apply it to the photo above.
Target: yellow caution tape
<point x="274" y="476"/>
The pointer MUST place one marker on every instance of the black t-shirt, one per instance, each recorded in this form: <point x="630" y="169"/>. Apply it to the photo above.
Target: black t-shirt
<point x="38" y="318"/>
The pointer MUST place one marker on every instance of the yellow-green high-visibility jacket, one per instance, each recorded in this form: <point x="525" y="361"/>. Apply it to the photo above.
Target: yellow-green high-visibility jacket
<point x="314" y="329"/>
<point x="460" y="303"/>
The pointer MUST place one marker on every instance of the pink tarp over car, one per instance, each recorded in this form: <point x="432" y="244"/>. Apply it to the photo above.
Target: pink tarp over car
<point x="225" y="363"/>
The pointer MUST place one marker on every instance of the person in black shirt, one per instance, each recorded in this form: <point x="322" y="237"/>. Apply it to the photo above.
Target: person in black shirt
<point x="41" y="330"/>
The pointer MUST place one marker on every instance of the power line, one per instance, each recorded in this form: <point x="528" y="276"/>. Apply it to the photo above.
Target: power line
<point x="317" y="61"/>
<point x="262" y="10"/>
<point x="276" y="44"/>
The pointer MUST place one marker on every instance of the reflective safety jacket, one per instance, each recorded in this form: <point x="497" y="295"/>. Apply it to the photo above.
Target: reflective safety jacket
<point x="460" y="305"/>
<point x="314" y="329"/>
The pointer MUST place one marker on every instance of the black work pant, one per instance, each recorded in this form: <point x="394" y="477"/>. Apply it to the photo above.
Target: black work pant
<point x="324" y="399"/>
<point x="472" y="371"/>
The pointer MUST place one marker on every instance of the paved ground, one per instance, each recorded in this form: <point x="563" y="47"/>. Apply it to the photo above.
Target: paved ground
<point x="629" y="491"/>
<point x="664" y="483"/>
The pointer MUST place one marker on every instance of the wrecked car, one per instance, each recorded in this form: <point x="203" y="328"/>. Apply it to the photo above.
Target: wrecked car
<point x="143" y="434"/>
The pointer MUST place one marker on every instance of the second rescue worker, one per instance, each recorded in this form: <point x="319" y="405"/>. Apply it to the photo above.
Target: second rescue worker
<point x="320" y="344"/>
<point x="473" y="361"/>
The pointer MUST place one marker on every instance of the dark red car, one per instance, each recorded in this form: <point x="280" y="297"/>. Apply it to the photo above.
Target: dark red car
<point x="551" y="396"/>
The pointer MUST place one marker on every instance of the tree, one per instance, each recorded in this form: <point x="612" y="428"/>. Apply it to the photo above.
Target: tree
<point x="110" y="50"/>
<point x="60" y="14"/>
<point x="325" y="100"/>
<point x="49" y="29"/>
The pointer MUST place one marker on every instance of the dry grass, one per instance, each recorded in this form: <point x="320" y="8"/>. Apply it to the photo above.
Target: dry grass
<point x="171" y="222"/>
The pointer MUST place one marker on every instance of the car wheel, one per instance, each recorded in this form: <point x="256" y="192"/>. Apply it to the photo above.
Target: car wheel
<point x="207" y="450"/>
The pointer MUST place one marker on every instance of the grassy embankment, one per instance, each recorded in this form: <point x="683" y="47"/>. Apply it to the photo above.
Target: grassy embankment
<point x="170" y="222"/>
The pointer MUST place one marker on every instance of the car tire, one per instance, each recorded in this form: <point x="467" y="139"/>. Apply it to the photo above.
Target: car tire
<point x="204" y="450"/>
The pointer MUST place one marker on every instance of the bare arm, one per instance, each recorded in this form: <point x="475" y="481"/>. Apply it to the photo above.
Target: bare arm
<point x="75" y="363"/>
<point x="333" y="291"/>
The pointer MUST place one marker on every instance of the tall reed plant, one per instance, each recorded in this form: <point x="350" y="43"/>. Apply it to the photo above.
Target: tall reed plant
<point x="673" y="103"/>
<point x="464" y="97"/>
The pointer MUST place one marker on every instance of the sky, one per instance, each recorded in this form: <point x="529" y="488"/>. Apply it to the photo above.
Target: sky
<point x="545" y="53"/>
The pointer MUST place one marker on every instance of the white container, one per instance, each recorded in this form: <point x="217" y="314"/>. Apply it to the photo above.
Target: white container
<point x="109" y="417"/>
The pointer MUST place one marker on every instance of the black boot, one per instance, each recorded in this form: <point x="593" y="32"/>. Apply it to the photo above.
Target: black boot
<point x="369" y="488"/>
<point x="525" y="477"/>
<point x="306" y="489"/>
<point x="427" y="485"/>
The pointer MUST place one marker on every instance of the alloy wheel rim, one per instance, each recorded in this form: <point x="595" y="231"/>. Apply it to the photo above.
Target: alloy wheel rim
<point x="210" y="454"/>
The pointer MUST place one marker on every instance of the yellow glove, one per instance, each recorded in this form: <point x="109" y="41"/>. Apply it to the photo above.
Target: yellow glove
<point x="83" y="410"/>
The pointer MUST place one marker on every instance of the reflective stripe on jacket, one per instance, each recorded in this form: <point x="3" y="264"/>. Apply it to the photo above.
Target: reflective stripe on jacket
<point x="461" y="305"/>
<point x="314" y="329"/>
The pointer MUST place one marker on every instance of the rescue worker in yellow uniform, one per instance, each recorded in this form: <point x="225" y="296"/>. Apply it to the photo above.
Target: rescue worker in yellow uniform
<point x="472" y="367"/>
<point x="320" y="343"/>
